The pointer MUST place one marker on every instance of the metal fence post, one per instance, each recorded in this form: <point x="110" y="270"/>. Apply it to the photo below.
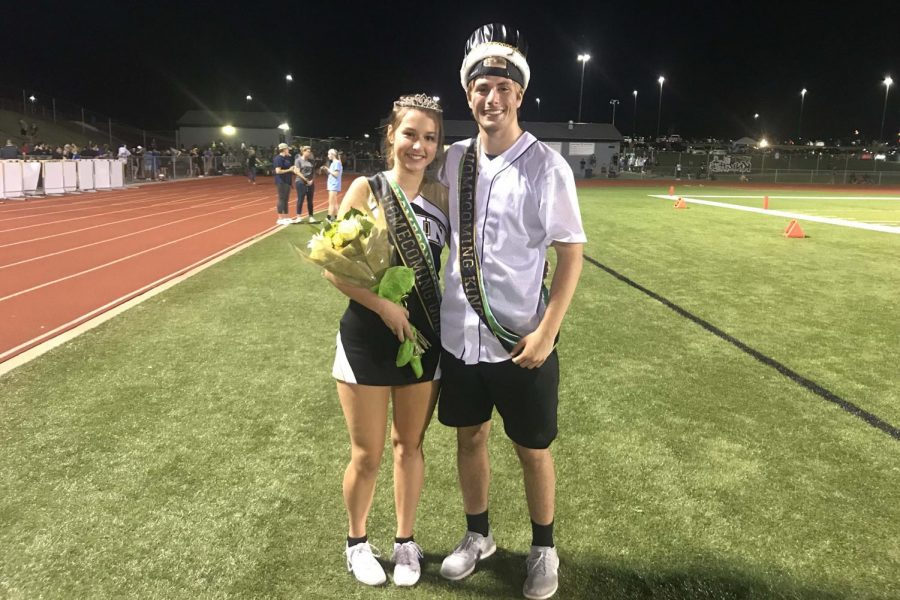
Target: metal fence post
<point x="110" y="130"/>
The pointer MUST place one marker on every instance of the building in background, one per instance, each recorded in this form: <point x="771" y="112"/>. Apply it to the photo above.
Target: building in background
<point x="236" y="127"/>
<point x="591" y="149"/>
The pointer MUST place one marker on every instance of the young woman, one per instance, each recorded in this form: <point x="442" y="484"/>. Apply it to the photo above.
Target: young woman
<point x="372" y="329"/>
<point x="335" y="170"/>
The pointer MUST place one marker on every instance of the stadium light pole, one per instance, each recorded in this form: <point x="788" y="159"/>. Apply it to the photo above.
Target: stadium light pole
<point x="634" y="117"/>
<point x="887" y="88"/>
<point x="661" y="80"/>
<point x="614" y="102"/>
<point x="800" y="125"/>
<point x="582" y="58"/>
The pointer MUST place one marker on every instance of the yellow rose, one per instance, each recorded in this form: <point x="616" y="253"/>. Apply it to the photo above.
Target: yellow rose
<point x="349" y="229"/>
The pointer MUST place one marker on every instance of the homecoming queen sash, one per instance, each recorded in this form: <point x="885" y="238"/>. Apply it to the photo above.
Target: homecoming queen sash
<point x="411" y="244"/>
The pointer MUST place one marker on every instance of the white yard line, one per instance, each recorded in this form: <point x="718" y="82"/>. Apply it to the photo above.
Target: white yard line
<point x="771" y="197"/>
<point x="785" y="214"/>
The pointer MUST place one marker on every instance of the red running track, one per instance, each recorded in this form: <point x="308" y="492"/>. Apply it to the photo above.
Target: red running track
<point x="64" y="260"/>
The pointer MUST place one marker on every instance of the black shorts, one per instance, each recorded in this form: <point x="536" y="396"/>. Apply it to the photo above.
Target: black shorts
<point x="527" y="399"/>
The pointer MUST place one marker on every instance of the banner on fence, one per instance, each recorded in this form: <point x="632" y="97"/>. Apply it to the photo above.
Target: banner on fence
<point x="31" y="176"/>
<point x="85" y="175"/>
<point x="53" y="177"/>
<point x="70" y="176"/>
<point x="117" y="173"/>
<point x="730" y="164"/>
<point x="12" y="179"/>
<point x="101" y="173"/>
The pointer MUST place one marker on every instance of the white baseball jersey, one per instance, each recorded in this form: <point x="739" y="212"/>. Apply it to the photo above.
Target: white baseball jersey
<point x="525" y="199"/>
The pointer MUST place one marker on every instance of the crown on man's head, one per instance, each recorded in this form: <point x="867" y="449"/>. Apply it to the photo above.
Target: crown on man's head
<point x="418" y="101"/>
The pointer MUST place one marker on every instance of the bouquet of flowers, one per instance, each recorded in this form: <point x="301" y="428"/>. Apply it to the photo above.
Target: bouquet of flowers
<point x="357" y="250"/>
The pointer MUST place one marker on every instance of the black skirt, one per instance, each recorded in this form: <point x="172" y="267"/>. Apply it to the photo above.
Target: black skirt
<point x="367" y="349"/>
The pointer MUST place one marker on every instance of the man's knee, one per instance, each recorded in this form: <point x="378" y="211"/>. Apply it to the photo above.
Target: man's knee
<point x="533" y="457"/>
<point x="471" y="440"/>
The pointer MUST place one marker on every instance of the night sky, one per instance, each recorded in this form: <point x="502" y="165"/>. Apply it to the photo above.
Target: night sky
<point x="146" y="63"/>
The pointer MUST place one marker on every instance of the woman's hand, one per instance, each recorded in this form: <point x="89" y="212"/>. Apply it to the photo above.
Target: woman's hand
<point x="396" y="318"/>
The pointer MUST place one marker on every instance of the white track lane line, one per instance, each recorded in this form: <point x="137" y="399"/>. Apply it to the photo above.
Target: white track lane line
<point x="138" y="201"/>
<point x="49" y="340"/>
<point x="129" y="257"/>
<point x="146" y="216"/>
<point x="129" y="209"/>
<point x="72" y="198"/>
<point x="785" y="214"/>
<point x="118" y="237"/>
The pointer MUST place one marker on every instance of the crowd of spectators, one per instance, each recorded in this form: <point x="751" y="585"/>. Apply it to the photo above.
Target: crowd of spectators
<point x="156" y="161"/>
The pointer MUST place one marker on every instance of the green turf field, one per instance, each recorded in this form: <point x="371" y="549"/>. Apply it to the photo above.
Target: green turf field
<point x="193" y="447"/>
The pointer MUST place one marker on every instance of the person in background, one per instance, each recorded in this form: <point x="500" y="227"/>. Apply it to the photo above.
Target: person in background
<point x="306" y="185"/>
<point x="9" y="151"/>
<point x="284" y="171"/>
<point x="334" y="169"/>
<point x="251" y="166"/>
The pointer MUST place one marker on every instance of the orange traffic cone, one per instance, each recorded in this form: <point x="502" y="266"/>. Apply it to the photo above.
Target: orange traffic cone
<point x="793" y="230"/>
<point x="766" y="202"/>
<point x="680" y="203"/>
<point x="671" y="190"/>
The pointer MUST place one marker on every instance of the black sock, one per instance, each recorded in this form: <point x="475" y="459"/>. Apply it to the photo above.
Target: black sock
<point x="478" y="523"/>
<point x="352" y="541"/>
<point x="398" y="540"/>
<point x="541" y="535"/>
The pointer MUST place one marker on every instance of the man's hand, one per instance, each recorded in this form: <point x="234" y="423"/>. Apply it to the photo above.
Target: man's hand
<point x="533" y="349"/>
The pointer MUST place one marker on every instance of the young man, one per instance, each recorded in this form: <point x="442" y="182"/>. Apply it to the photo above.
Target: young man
<point x="284" y="170"/>
<point x="511" y="197"/>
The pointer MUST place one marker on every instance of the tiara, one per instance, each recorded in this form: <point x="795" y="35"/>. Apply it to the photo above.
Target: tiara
<point x="418" y="101"/>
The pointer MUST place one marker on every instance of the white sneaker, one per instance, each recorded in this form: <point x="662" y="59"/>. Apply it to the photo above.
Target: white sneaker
<point x="407" y="569"/>
<point x="297" y="219"/>
<point x="312" y="219"/>
<point x="361" y="562"/>
<point x="473" y="548"/>
<point x="283" y="222"/>
<point x="543" y="573"/>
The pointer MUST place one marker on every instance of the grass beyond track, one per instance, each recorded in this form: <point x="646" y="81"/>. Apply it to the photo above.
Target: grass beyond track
<point x="194" y="446"/>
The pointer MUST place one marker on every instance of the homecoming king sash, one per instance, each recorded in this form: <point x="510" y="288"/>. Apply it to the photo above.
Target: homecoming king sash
<point x="411" y="244"/>
<point x="469" y="265"/>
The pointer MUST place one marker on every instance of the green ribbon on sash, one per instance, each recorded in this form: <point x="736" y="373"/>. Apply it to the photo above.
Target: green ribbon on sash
<point x="411" y="244"/>
<point x="469" y="263"/>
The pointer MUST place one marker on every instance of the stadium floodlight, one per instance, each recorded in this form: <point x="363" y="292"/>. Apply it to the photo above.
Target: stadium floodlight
<point x="284" y="127"/>
<point x="582" y="58"/>
<point x="634" y="116"/>
<point x="289" y="78"/>
<point x="660" y="81"/>
<point x="32" y="98"/>
<point x="366" y="135"/>
<point x="800" y="125"/>
<point x="764" y="143"/>
<point x="887" y="88"/>
<point x="249" y="98"/>
<point x="229" y="130"/>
